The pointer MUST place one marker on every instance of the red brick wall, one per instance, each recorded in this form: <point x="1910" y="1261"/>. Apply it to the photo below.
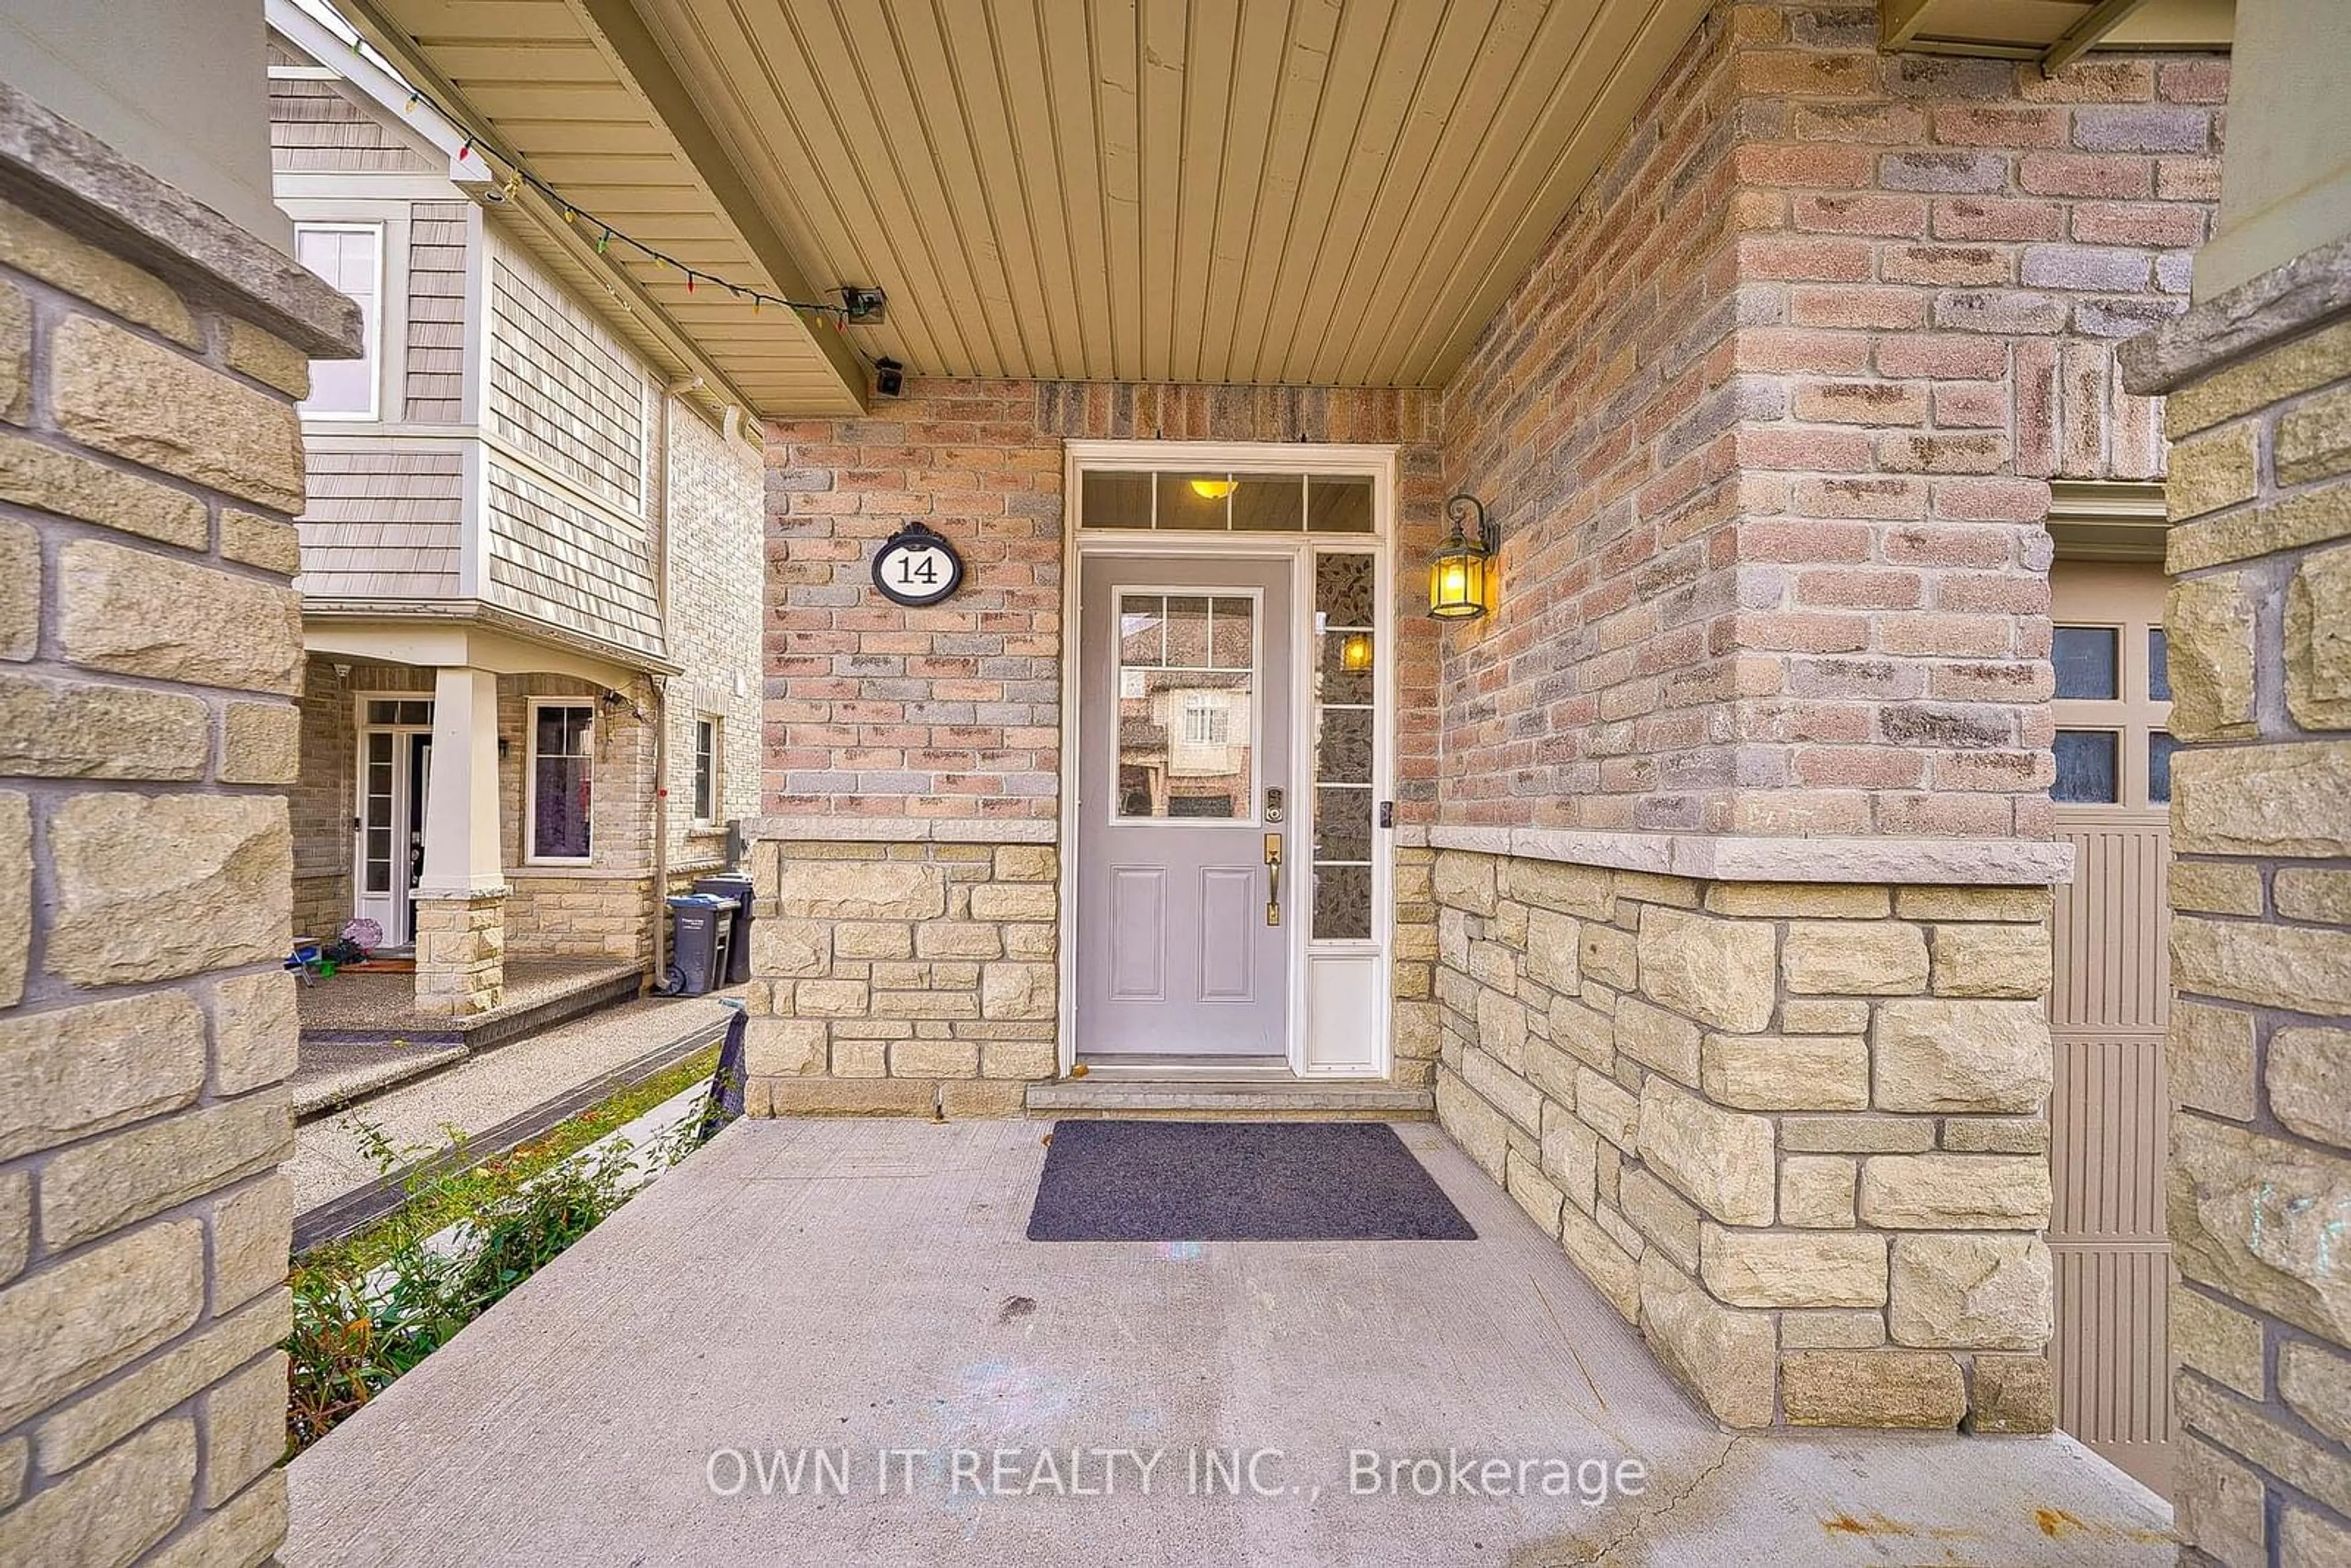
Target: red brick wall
<point x="955" y="712"/>
<point x="1769" y="429"/>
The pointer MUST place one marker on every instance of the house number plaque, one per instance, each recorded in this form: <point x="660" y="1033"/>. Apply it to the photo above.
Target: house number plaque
<point x="916" y="567"/>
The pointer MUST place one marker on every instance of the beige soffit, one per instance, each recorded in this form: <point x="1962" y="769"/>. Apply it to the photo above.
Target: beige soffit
<point x="2106" y="520"/>
<point x="2055" y="32"/>
<point x="625" y="140"/>
<point x="1245" y="191"/>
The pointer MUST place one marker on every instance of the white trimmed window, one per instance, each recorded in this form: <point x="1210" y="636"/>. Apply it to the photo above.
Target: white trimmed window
<point x="705" y="770"/>
<point x="560" y="794"/>
<point x="349" y="257"/>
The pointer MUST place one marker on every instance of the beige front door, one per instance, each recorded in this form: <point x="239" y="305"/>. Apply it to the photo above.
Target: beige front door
<point x="2108" y="1011"/>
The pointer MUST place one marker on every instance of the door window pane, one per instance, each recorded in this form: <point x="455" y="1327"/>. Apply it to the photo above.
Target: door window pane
<point x="2158" y="665"/>
<point x="377" y="840"/>
<point x="1342" y="903"/>
<point x="561" y="780"/>
<point x="406" y="711"/>
<point x="2159" y="747"/>
<point x="1347" y="653"/>
<point x="1116" y="500"/>
<point x="2087" y="660"/>
<point x="1269" y="504"/>
<point x="1196" y="501"/>
<point x="1226" y="501"/>
<point x="1187" y="716"/>
<point x="1339" y="504"/>
<point x="2088" y="769"/>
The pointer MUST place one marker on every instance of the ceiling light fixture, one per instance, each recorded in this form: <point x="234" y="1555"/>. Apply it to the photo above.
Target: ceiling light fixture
<point x="1214" y="489"/>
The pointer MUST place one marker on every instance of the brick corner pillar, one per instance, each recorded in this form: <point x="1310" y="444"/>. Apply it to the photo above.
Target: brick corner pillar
<point x="2259" y="618"/>
<point x="151" y="462"/>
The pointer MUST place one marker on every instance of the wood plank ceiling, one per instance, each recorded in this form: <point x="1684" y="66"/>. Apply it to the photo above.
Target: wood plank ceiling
<point x="1302" y="192"/>
<point x="1283" y="191"/>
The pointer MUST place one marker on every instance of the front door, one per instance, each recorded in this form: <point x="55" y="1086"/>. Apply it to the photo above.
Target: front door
<point x="395" y="759"/>
<point x="1185" y="797"/>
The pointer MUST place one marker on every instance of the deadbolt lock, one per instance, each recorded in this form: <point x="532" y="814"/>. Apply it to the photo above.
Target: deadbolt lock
<point x="1274" y="807"/>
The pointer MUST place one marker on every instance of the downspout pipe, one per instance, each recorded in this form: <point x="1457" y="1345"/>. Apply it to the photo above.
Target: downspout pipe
<point x="670" y="394"/>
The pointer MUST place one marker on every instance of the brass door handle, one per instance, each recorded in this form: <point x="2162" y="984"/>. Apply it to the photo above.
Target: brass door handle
<point x="1273" y="879"/>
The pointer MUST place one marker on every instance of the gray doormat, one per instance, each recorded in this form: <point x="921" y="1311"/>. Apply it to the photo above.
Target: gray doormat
<point x="1238" y="1181"/>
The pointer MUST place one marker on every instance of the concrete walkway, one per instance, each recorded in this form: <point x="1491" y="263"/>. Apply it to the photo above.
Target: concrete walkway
<point x="480" y="1092"/>
<point x="852" y="1287"/>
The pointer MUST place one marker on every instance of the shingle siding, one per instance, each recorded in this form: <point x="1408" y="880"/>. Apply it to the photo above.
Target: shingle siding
<point x="560" y="388"/>
<point x="382" y="524"/>
<point x="439" y="234"/>
<point x="563" y="561"/>
<point x="313" y="128"/>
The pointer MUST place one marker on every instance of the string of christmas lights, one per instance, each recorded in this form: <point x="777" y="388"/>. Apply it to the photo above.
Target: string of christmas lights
<point x="519" y="175"/>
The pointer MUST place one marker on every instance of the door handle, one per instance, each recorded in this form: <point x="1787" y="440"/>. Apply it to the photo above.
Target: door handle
<point x="1273" y="879"/>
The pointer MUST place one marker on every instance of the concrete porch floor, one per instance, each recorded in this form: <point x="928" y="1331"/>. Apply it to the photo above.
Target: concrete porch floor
<point x="867" y="1285"/>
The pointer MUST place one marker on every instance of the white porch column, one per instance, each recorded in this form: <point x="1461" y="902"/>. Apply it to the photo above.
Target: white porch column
<point x="461" y="820"/>
<point x="461" y="897"/>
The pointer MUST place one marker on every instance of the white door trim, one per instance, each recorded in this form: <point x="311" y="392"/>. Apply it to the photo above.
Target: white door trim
<point x="1378" y="463"/>
<point x="360" y="730"/>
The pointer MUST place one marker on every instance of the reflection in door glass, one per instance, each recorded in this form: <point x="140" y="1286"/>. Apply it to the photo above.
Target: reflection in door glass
<point x="2159" y="747"/>
<point x="1186" y="692"/>
<point x="2087" y="767"/>
<point x="1346" y="663"/>
<point x="2088" y="661"/>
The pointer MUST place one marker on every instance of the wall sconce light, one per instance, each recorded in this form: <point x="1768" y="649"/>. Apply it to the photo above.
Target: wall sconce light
<point x="1461" y="574"/>
<point x="1355" y="653"/>
<point x="1214" y="489"/>
<point x="889" y="378"/>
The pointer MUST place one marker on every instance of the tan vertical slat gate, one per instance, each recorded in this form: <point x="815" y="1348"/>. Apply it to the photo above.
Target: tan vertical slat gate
<point x="2107" y="1139"/>
<point x="2108" y="1008"/>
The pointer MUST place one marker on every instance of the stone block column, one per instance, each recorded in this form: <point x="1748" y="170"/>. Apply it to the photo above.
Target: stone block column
<point x="151" y="461"/>
<point x="897" y="979"/>
<point x="2260" y="1054"/>
<point x="461" y="898"/>
<point x="1797" y="1132"/>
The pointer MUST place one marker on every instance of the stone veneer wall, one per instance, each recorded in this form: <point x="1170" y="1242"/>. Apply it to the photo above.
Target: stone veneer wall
<point x="2259" y="1051"/>
<point x="150" y="463"/>
<point x="1796" y="1132"/>
<point x="902" y="978"/>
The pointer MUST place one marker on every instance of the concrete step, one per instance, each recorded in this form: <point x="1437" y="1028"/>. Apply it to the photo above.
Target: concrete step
<point x="1253" y="1098"/>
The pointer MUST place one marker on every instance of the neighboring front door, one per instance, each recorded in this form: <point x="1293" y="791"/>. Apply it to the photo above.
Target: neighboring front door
<point x="395" y="761"/>
<point x="1184" y="789"/>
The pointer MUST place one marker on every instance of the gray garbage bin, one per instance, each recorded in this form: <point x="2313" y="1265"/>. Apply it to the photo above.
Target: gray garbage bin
<point x="698" y="929"/>
<point x="735" y="887"/>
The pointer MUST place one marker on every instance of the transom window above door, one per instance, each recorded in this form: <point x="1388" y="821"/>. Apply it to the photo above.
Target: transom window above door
<point x="1219" y="501"/>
